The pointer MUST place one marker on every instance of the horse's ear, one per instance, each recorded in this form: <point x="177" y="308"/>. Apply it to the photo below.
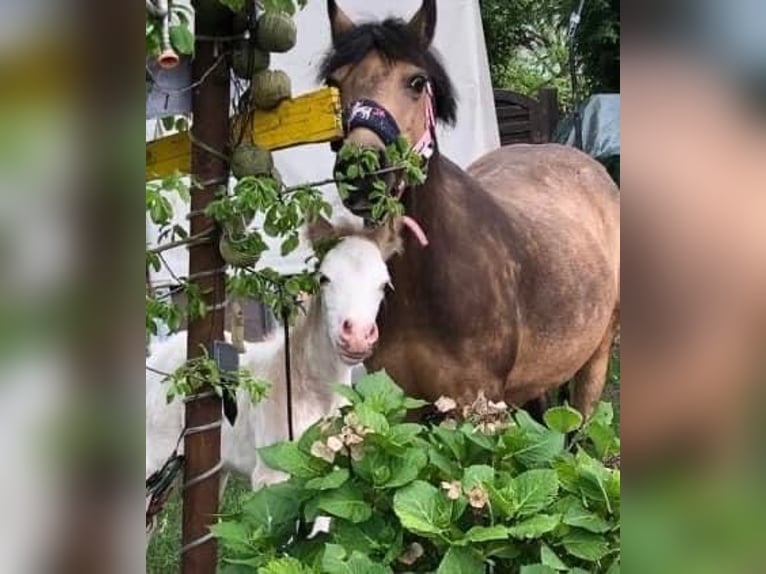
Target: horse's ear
<point x="423" y="23"/>
<point x="388" y="238"/>
<point x="339" y="22"/>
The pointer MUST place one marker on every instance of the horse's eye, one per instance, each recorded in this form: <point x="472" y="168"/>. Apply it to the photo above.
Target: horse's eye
<point x="418" y="83"/>
<point x="324" y="280"/>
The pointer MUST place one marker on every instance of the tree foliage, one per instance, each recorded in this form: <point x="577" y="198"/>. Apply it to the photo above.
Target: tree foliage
<point x="527" y="45"/>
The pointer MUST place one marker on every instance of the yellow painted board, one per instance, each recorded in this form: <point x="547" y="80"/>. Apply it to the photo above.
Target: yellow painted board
<point x="311" y="118"/>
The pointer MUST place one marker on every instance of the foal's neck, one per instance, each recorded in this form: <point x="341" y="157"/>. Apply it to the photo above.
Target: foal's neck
<point x="314" y="360"/>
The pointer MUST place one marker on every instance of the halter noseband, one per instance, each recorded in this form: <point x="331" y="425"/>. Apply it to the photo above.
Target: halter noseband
<point x="371" y="115"/>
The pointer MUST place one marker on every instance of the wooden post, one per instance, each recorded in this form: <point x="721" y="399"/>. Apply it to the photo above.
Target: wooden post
<point x="549" y="111"/>
<point x="210" y="110"/>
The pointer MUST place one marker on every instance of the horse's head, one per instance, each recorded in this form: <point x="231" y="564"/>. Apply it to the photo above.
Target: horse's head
<point x="353" y="280"/>
<point x="391" y="85"/>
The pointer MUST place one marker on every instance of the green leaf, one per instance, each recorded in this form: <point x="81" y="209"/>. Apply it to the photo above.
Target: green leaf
<point x="505" y="550"/>
<point x="448" y="468"/>
<point x="503" y="500"/>
<point x="593" y="479"/>
<point x="182" y="39"/>
<point x="274" y="509"/>
<point x="535" y="490"/>
<point x="603" y="415"/>
<point x="579" y="516"/>
<point x="348" y="393"/>
<point x="286" y="456"/>
<point x="401" y="436"/>
<point x="487" y="533"/>
<point x="370" y="417"/>
<point x="453" y="439"/>
<point x="365" y="537"/>
<point x="422" y="508"/>
<point x="353" y="171"/>
<point x="477" y="475"/>
<point x="234" y="535"/>
<point x="411" y="404"/>
<point x="536" y="526"/>
<point x="478" y="438"/>
<point x="604" y="439"/>
<point x="289" y="245"/>
<point x="234" y="5"/>
<point x="536" y="569"/>
<point x="564" y="419"/>
<point x="380" y="391"/>
<point x="533" y="446"/>
<point x="333" y="480"/>
<point x="346" y="502"/>
<point x="287" y="565"/>
<point x="585" y="545"/>
<point x="335" y="560"/>
<point x="460" y="560"/>
<point x="549" y="558"/>
<point x="406" y="468"/>
<point x="374" y="468"/>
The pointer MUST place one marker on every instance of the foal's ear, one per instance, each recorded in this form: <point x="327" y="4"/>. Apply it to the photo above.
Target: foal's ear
<point x="321" y="230"/>
<point x="423" y="23"/>
<point x="388" y="238"/>
<point x="339" y="22"/>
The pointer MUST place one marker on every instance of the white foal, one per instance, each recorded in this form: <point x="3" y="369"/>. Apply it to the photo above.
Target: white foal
<point x="336" y="334"/>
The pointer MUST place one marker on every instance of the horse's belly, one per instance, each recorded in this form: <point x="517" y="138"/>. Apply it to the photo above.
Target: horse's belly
<point x="544" y="360"/>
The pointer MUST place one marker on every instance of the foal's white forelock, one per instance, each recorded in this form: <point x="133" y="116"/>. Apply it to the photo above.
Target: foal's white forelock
<point x="357" y="275"/>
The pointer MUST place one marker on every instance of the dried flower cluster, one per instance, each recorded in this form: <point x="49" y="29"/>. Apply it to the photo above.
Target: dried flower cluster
<point x="412" y="554"/>
<point x="477" y="496"/>
<point x="487" y="416"/>
<point x="350" y="438"/>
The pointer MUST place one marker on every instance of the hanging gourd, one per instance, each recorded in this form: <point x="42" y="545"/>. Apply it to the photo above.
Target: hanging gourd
<point x="241" y="58"/>
<point x="232" y="255"/>
<point x="250" y="159"/>
<point x="276" y="32"/>
<point x="269" y="88"/>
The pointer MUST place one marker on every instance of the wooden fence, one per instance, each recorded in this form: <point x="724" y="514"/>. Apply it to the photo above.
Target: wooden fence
<point x="522" y="119"/>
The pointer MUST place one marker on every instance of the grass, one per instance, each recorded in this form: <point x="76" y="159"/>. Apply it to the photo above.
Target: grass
<point x="162" y="554"/>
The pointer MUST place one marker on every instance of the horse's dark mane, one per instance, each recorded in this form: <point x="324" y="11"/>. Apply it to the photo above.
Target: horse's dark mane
<point x="395" y="42"/>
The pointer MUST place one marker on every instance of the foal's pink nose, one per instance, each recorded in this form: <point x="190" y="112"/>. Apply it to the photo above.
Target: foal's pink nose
<point x="358" y="337"/>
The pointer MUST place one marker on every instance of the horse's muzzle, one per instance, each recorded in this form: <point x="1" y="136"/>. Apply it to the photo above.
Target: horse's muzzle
<point x="359" y="200"/>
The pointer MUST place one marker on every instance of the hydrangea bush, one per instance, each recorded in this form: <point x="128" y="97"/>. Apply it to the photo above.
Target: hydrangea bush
<point x="488" y="489"/>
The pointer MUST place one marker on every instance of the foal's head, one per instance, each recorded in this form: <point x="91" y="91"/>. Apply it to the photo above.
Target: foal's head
<point x="353" y="280"/>
<point x="386" y="70"/>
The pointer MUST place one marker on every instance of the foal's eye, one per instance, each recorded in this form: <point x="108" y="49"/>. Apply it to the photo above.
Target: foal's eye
<point x="324" y="280"/>
<point x="418" y="83"/>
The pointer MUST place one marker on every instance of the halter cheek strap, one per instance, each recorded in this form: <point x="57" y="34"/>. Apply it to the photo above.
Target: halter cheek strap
<point x="427" y="143"/>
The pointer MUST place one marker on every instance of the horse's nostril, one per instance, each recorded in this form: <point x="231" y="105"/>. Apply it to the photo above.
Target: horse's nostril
<point x="347" y="327"/>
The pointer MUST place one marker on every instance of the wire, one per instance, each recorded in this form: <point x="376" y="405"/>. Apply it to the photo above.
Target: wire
<point x="170" y="91"/>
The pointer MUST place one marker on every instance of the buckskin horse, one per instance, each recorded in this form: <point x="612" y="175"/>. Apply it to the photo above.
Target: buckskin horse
<point x="517" y="291"/>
